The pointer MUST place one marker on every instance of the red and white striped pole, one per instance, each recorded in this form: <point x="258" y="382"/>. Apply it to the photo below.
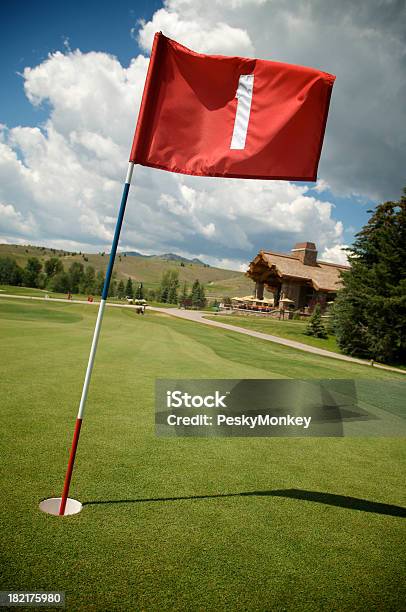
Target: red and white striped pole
<point x="59" y="505"/>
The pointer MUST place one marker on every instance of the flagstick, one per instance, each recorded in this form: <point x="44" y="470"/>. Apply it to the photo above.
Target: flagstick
<point x="96" y="335"/>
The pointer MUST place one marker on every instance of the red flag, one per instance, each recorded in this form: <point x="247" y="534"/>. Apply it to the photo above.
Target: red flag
<point x="210" y="115"/>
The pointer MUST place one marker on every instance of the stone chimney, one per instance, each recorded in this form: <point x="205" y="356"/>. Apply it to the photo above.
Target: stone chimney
<point x="306" y="252"/>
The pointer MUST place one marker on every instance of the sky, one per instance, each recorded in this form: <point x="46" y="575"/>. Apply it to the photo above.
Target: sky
<point x="72" y="78"/>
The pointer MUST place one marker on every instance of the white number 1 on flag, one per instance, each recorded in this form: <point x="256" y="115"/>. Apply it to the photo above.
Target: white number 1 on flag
<point x="242" y="116"/>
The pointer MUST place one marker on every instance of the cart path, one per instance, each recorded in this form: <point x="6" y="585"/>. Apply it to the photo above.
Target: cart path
<point x="198" y="316"/>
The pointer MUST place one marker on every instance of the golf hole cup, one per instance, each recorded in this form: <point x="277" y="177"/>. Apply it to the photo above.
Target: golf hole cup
<point x="52" y="505"/>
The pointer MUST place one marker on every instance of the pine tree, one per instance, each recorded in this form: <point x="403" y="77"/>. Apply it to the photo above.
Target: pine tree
<point x="121" y="290"/>
<point x="196" y="294"/>
<point x="173" y="288"/>
<point x="129" y="290"/>
<point x="315" y="325"/>
<point x="112" y="288"/>
<point x="164" y="288"/>
<point x="202" y="297"/>
<point x="139" y="292"/>
<point x="184" y="295"/>
<point x="330" y="324"/>
<point x="168" y="292"/>
<point x="370" y="310"/>
<point x="163" y="295"/>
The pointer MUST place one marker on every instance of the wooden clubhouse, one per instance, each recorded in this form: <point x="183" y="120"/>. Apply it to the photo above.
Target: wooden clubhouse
<point x="299" y="280"/>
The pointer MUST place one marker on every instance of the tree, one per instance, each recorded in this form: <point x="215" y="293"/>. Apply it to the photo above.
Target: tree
<point x="31" y="272"/>
<point x="169" y="287"/>
<point x="89" y="280"/>
<point x="139" y="292"/>
<point x="197" y="295"/>
<point x="164" y="287"/>
<point x="173" y="287"/>
<point x="202" y="296"/>
<point x="42" y="280"/>
<point x="129" y="290"/>
<point x="370" y="310"/>
<point x="52" y="266"/>
<point x="10" y="271"/>
<point x="163" y="294"/>
<point x="60" y="283"/>
<point x="183" y="300"/>
<point x="99" y="282"/>
<point x="330" y="324"/>
<point x="120" y="290"/>
<point x="76" y="274"/>
<point x="315" y="326"/>
<point x="112" y="288"/>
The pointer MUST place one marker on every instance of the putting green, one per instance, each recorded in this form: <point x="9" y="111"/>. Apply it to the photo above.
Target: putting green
<point x="183" y="524"/>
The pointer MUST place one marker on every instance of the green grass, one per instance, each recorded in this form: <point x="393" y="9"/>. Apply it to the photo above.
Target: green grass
<point x="37" y="312"/>
<point x="161" y="304"/>
<point x="35" y="292"/>
<point x="256" y="552"/>
<point x="293" y="330"/>
<point x="32" y="292"/>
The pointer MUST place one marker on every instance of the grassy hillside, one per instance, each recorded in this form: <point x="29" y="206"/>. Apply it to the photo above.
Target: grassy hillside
<point x="148" y="270"/>
<point x="184" y="524"/>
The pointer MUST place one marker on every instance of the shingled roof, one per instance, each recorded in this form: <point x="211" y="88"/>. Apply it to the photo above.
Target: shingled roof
<point x="323" y="276"/>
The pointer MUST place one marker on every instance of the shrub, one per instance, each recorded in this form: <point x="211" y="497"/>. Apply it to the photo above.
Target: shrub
<point x="315" y="325"/>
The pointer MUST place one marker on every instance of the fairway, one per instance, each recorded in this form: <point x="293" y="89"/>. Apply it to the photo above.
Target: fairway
<point x="184" y="524"/>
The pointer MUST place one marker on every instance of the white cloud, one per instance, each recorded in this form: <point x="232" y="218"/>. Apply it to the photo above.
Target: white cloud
<point x="197" y="34"/>
<point x="321" y="185"/>
<point x="13" y="222"/>
<point x="335" y="254"/>
<point x="227" y="263"/>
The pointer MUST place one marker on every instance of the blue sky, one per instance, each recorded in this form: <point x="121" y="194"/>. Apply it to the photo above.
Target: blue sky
<point x="29" y="34"/>
<point x="362" y="161"/>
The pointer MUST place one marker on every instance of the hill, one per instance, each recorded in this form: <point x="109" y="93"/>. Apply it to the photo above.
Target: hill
<point x="142" y="268"/>
<point x="167" y="257"/>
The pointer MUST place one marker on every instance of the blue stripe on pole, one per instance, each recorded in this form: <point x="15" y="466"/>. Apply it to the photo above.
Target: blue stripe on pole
<point x="115" y="241"/>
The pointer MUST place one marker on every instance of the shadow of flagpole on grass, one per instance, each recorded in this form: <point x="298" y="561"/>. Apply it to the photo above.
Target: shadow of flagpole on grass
<point x="330" y="499"/>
